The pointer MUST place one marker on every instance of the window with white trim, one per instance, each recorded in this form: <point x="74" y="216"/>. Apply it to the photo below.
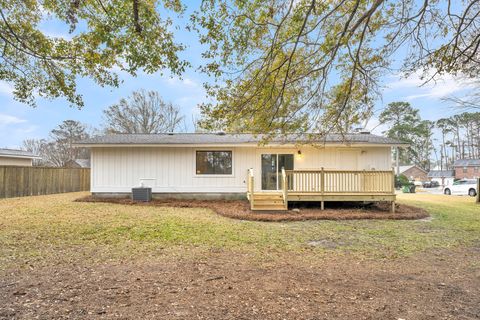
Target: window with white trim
<point x="218" y="162"/>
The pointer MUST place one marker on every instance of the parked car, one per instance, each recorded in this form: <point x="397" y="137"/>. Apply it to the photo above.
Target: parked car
<point x="462" y="187"/>
<point x="431" y="184"/>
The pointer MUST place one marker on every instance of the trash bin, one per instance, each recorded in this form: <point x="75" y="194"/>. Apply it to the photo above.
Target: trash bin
<point x="408" y="188"/>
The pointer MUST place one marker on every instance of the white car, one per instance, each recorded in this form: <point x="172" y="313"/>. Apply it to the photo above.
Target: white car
<point x="462" y="187"/>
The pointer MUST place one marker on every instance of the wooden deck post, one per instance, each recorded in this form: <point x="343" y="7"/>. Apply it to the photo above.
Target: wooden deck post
<point x="322" y="188"/>
<point x="393" y="189"/>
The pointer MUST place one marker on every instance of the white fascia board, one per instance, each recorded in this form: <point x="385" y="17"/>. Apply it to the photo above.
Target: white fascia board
<point x="18" y="156"/>
<point x="240" y="145"/>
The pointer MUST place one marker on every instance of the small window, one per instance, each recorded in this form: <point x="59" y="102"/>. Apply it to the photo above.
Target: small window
<point x="214" y="162"/>
<point x="464" y="169"/>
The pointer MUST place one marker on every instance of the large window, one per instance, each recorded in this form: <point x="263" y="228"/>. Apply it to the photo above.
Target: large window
<point x="214" y="162"/>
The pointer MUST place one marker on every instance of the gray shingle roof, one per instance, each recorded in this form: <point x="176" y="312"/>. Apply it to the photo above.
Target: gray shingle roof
<point x="467" y="163"/>
<point x="441" y="174"/>
<point x="405" y="168"/>
<point x="13" y="153"/>
<point x="244" y="138"/>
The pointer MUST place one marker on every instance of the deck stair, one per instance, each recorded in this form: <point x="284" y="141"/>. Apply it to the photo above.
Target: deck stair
<point x="268" y="201"/>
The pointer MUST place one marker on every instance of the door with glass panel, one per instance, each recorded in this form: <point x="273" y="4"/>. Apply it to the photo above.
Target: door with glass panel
<point x="272" y="164"/>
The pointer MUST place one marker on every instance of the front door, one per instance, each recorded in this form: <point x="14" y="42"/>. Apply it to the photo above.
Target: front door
<point x="272" y="164"/>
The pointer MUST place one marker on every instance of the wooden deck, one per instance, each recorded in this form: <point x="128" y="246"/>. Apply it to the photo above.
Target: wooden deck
<point x="324" y="185"/>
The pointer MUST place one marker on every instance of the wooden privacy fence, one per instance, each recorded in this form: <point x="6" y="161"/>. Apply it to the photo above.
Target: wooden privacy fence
<point x="32" y="181"/>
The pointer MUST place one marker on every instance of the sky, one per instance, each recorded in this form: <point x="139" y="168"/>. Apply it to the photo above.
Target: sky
<point x="19" y="121"/>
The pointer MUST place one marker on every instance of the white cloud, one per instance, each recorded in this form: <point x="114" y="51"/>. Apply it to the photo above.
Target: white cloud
<point x="6" y="120"/>
<point x="443" y="86"/>
<point x="174" y="81"/>
<point x="373" y="125"/>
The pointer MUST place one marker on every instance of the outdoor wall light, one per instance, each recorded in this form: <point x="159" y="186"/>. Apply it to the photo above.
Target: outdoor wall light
<point x="299" y="154"/>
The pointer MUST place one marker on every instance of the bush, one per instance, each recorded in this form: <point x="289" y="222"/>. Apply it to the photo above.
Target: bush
<point x="401" y="180"/>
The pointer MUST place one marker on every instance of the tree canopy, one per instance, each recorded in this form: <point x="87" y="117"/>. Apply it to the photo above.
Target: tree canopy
<point x="103" y="36"/>
<point x="59" y="149"/>
<point x="290" y="65"/>
<point x="277" y="66"/>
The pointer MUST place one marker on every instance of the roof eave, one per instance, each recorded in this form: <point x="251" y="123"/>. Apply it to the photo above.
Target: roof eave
<point x="207" y="145"/>
<point x="19" y="157"/>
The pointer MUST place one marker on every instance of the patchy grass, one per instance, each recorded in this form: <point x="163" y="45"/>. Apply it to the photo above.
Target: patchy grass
<point x="54" y="228"/>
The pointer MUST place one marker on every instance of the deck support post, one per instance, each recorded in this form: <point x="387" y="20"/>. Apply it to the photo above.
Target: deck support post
<point x="392" y="210"/>
<point x="322" y="188"/>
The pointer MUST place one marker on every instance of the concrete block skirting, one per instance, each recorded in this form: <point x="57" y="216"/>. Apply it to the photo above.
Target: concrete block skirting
<point x="179" y="196"/>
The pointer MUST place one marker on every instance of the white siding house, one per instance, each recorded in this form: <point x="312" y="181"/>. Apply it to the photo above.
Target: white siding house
<point x="172" y="163"/>
<point x="12" y="157"/>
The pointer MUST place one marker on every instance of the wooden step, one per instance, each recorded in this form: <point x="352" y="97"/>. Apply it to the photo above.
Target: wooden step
<point x="265" y="201"/>
<point x="271" y="201"/>
<point x="267" y="196"/>
<point x="265" y="207"/>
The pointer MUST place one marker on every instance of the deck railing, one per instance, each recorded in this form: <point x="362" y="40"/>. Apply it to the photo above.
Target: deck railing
<point x="340" y="181"/>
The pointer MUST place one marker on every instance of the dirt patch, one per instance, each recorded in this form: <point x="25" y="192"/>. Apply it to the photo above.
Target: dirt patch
<point x="238" y="209"/>
<point x="430" y="285"/>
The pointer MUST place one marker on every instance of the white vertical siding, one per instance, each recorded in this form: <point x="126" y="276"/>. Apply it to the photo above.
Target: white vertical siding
<point x="172" y="169"/>
<point x="8" y="161"/>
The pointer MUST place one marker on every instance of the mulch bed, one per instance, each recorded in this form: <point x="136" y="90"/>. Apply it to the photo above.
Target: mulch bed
<point x="240" y="209"/>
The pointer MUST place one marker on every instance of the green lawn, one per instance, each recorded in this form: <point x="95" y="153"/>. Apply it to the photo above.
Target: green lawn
<point x="53" y="228"/>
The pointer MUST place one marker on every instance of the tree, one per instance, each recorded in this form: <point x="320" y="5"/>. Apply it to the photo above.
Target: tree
<point x="406" y="125"/>
<point x="422" y="144"/>
<point x="282" y="60"/>
<point x="460" y="135"/>
<point x="444" y="126"/>
<point x="60" y="149"/>
<point x="38" y="148"/>
<point x="142" y="112"/>
<point x="103" y="35"/>
<point x="64" y="137"/>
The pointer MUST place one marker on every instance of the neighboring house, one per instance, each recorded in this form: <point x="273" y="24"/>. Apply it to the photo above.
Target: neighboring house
<point x="194" y="165"/>
<point x="78" y="163"/>
<point x="13" y="157"/>
<point x="443" y="177"/>
<point x="414" y="172"/>
<point x="467" y="168"/>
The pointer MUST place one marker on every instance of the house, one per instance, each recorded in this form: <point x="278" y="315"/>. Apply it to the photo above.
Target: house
<point x="353" y="167"/>
<point x="467" y="168"/>
<point x="78" y="163"/>
<point x="413" y="172"/>
<point x="443" y="177"/>
<point x="13" y="157"/>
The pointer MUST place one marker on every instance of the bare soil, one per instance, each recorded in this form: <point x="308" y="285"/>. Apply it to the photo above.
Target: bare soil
<point x="225" y="285"/>
<point x="239" y="209"/>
